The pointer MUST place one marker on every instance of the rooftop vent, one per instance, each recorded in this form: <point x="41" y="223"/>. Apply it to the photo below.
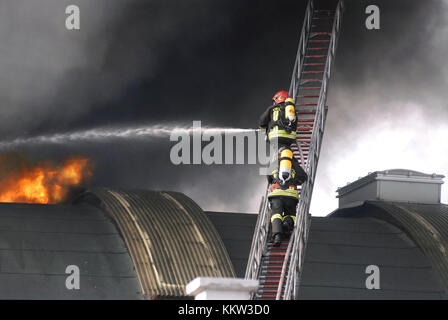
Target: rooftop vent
<point x="398" y="185"/>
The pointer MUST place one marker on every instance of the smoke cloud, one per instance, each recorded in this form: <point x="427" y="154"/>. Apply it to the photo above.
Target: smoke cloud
<point x="136" y="62"/>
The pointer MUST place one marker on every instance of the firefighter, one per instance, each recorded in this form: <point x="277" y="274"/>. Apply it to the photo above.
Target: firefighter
<point x="283" y="194"/>
<point x="279" y="120"/>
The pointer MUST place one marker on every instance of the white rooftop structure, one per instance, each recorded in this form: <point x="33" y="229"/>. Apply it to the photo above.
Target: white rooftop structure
<point x="397" y="185"/>
<point x="207" y="288"/>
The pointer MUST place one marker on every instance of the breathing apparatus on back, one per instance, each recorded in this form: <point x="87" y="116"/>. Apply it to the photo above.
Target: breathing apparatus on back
<point x="285" y="164"/>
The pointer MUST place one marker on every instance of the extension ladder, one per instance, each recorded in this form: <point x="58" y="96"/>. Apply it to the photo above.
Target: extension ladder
<point x="279" y="268"/>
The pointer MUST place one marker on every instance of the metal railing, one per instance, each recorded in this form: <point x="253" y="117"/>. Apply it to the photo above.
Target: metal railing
<point x="259" y="240"/>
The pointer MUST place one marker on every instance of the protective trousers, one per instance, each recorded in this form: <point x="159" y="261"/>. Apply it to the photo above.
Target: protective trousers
<point x="283" y="214"/>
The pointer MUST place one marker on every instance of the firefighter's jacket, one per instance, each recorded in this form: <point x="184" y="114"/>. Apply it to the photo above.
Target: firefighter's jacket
<point x="276" y="123"/>
<point x="289" y="189"/>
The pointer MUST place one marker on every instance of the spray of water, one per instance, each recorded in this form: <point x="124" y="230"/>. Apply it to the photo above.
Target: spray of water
<point x="110" y="134"/>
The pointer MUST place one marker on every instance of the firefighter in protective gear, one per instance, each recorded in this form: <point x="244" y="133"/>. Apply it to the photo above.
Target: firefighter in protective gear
<point x="283" y="194"/>
<point x="279" y="120"/>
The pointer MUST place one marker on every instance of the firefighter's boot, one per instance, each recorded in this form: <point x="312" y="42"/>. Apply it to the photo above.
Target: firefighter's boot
<point x="277" y="239"/>
<point x="288" y="225"/>
<point x="277" y="230"/>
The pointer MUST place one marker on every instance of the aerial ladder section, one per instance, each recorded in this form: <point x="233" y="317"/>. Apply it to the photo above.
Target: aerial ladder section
<point x="279" y="268"/>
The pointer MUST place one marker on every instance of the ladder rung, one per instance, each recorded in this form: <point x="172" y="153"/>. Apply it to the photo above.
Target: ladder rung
<point x="276" y="261"/>
<point x="307" y="104"/>
<point x="312" y="80"/>
<point x="271" y="276"/>
<point x="277" y="253"/>
<point x="306" y="112"/>
<point x="273" y="271"/>
<point x="271" y="286"/>
<point x="317" y="56"/>
<point x="317" y="25"/>
<point x="312" y="72"/>
<point x="309" y="88"/>
<point x="278" y="267"/>
<point x="320" y="64"/>
<point x="317" y="49"/>
<point x="281" y="246"/>
<point x="269" y="291"/>
<point x="273" y="266"/>
<point x="319" y="40"/>
<point x="270" y="281"/>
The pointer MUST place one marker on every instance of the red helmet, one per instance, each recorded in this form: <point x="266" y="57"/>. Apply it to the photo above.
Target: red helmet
<point x="280" y="96"/>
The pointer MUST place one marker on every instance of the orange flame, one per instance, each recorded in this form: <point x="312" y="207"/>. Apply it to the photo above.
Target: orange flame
<point x="43" y="183"/>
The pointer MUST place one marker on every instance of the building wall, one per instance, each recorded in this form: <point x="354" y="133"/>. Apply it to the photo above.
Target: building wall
<point x="366" y="192"/>
<point x="409" y="191"/>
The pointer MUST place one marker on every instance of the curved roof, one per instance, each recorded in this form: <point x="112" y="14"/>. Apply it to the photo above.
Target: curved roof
<point x="425" y="224"/>
<point x="407" y="241"/>
<point x="340" y="249"/>
<point x="170" y="239"/>
<point x="38" y="243"/>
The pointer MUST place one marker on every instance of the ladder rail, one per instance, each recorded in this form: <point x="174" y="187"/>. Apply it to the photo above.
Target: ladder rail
<point x="301" y="232"/>
<point x="259" y="239"/>
<point x="297" y="70"/>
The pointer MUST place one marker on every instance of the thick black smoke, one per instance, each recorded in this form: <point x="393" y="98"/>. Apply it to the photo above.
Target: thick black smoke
<point x="137" y="61"/>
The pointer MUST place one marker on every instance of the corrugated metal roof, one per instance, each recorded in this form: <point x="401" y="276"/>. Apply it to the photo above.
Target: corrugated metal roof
<point x="339" y="250"/>
<point x="38" y="242"/>
<point x="169" y="237"/>
<point x="425" y="224"/>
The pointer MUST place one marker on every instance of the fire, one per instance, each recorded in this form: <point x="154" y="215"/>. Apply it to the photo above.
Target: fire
<point x="44" y="182"/>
